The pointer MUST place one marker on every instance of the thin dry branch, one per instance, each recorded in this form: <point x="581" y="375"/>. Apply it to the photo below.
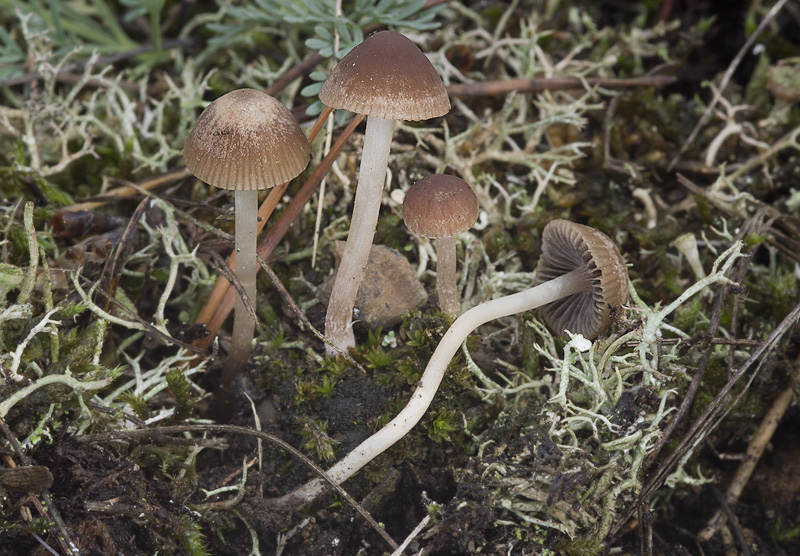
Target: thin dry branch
<point x="505" y="86"/>
<point x="758" y="444"/>
<point x="726" y="79"/>
<point x="231" y="429"/>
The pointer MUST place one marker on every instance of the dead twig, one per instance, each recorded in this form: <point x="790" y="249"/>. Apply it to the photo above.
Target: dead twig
<point x="146" y="325"/>
<point x="758" y="444"/>
<point x="726" y="80"/>
<point x="505" y="86"/>
<point x="231" y="429"/>
<point x="109" y="277"/>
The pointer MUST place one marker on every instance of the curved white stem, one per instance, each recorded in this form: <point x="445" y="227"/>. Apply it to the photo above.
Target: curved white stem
<point x="410" y="415"/>
<point x="374" y="159"/>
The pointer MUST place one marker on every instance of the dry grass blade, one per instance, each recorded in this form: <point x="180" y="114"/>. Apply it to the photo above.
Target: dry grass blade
<point x="712" y="416"/>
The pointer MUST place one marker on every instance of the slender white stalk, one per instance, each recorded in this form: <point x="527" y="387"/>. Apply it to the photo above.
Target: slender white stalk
<point x="410" y="415"/>
<point x="687" y="245"/>
<point x="374" y="159"/>
<point x="446" y="276"/>
<point x="246" y="207"/>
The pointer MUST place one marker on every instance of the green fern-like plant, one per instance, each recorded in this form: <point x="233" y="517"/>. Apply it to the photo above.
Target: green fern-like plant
<point x="182" y="390"/>
<point x="191" y="537"/>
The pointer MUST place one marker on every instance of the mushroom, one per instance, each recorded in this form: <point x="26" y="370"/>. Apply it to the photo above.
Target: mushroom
<point x="386" y="78"/>
<point x="589" y="269"/>
<point x="587" y="284"/>
<point x="441" y="207"/>
<point x="246" y="141"/>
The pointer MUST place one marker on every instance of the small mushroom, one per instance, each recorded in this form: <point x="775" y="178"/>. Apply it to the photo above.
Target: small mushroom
<point x="590" y="272"/>
<point x="441" y="207"/>
<point x="246" y="141"/>
<point x="588" y="283"/>
<point x="386" y="78"/>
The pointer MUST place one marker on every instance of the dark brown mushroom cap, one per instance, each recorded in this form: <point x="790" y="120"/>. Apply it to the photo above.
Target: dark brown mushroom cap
<point x="389" y="77"/>
<point x="567" y="246"/>
<point x="440" y="206"/>
<point x="246" y="140"/>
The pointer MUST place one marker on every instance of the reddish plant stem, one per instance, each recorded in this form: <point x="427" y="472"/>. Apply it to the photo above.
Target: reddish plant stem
<point x="505" y="86"/>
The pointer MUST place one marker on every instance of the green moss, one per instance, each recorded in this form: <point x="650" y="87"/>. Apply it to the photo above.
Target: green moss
<point x="137" y="403"/>
<point x="580" y="547"/>
<point x="306" y="393"/>
<point x="325" y="388"/>
<point x="442" y="425"/>
<point x="687" y="317"/>
<point x="191" y="537"/>
<point x="182" y="390"/>
<point x="783" y="292"/>
<point x="317" y="443"/>
<point x="379" y="358"/>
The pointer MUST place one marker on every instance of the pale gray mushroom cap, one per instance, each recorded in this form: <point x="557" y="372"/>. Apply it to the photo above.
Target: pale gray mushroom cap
<point x="567" y="246"/>
<point x="440" y="206"/>
<point x="246" y="140"/>
<point x="386" y="76"/>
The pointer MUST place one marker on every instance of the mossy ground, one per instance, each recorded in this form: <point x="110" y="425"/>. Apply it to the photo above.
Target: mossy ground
<point x="532" y="445"/>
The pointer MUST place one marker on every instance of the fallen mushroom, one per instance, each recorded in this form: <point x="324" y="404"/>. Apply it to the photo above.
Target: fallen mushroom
<point x="387" y="78"/>
<point x="441" y="207"/>
<point x="245" y="141"/>
<point x="26" y="478"/>
<point x="585" y="268"/>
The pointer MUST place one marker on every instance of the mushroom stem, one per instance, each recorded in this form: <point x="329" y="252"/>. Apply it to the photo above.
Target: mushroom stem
<point x="568" y="284"/>
<point x="246" y="207"/>
<point x="446" y="276"/>
<point x="374" y="159"/>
